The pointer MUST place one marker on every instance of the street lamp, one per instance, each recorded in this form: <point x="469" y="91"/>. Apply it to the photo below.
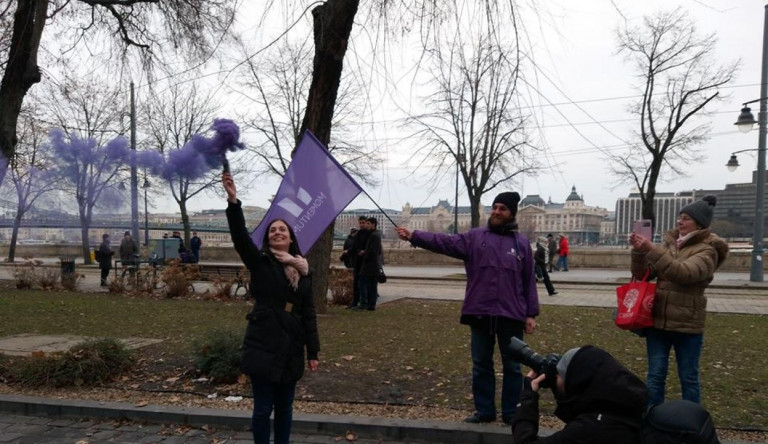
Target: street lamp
<point x="146" y="214"/>
<point x="745" y="123"/>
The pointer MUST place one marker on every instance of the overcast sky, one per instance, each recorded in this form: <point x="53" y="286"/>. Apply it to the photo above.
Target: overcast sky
<point x="582" y="82"/>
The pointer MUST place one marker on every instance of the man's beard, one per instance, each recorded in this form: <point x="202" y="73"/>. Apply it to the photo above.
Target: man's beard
<point x="501" y="225"/>
<point x="495" y="221"/>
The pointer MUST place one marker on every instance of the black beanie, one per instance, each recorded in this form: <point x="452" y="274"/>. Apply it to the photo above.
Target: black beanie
<point x="701" y="210"/>
<point x="509" y="199"/>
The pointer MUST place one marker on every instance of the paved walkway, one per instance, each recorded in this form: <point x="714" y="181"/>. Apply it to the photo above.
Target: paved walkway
<point x="729" y="293"/>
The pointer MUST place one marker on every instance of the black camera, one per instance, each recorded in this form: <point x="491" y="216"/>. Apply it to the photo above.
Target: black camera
<point x="543" y="365"/>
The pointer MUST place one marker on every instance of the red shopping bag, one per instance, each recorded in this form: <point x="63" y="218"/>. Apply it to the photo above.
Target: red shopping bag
<point x="635" y="304"/>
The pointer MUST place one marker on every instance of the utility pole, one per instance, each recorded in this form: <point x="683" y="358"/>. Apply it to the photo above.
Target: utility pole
<point x="134" y="174"/>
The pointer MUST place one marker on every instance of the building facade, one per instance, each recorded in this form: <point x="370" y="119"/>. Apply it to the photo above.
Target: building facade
<point x="667" y="207"/>
<point x="438" y="218"/>
<point x="580" y="223"/>
<point x="348" y="219"/>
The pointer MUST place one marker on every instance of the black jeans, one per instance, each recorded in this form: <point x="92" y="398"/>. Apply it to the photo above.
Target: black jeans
<point x="547" y="282"/>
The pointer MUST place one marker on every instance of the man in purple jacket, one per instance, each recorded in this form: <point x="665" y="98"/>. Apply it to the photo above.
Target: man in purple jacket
<point x="500" y="300"/>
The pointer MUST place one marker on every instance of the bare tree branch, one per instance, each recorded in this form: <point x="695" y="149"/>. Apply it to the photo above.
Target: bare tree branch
<point x="671" y="57"/>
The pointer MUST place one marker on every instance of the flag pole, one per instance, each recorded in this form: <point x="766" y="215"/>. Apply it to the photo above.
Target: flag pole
<point x="380" y="209"/>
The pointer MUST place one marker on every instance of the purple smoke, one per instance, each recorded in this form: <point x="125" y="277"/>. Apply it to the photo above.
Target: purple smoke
<point x="151" y="161"/>
<point x="202" y="154"/>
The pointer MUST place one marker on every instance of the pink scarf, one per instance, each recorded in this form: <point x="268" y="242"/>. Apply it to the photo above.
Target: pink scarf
<point x="294" y="266"/>
<point x="682" y="239"/>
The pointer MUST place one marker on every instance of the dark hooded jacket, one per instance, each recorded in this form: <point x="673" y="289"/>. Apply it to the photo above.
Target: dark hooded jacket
<point x="283" y="322"/>
<point x="603" y="403"/>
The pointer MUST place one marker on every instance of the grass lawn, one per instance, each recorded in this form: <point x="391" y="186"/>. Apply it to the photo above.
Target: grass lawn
<point x="408" y="352"/>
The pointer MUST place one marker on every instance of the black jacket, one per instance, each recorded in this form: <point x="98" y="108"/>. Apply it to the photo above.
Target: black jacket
<point x="603" y="403"/>
<point x="283" y="321"/>
<point x="105" y="251"/>
<point x="370" y="261"/>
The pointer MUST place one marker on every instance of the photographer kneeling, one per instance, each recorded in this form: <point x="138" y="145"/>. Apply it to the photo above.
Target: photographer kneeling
<point x="599" y="399"/>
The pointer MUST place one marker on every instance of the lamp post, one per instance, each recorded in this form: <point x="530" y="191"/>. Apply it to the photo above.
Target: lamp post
<point x="745" y="123"/>
<point x="134" y="174"/>
<point x="146" y="213"/>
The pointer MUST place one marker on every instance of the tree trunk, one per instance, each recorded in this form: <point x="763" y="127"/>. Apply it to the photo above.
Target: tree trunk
<point x="14" y="237"/>
<point x="332" y="25"/>
<point x="474" y="203"/>
<point x="84" y="226"/>
<point x="21" y="72"/>
<point x="185" y="221"/>
<point x="647" y="199"/>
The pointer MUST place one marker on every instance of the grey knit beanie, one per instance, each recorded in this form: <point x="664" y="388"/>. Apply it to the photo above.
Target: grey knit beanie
<point x="701" y="210"/>
<point x="562" y="364"/>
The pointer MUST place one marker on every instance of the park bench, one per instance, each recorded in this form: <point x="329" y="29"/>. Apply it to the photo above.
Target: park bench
<point x="238" y="274"/>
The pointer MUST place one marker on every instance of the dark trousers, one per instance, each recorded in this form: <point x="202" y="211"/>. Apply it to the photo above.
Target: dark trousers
<point x="484" y="376"/>
<point x="266" y="397"/>
<point x="104" y="275"/>
<point x="355" y="289"/>
<point x="542" y="270"/>
<point x="369" y="292"/>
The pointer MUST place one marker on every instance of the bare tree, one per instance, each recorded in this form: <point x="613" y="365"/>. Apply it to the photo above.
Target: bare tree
<point x="171" y="121"/>
<point x="30" y="173"/>
<point x="86" y="106"/>
<point x="280" y="83"/>
<point x="90" y="170"/>
<point x="474" y="123"/>
<point x="192" y="28"/>
<point x="332" y="25"/>
<point x="679" y="78"/>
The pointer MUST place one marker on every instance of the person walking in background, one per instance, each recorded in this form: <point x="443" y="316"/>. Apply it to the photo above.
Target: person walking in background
<point x="684" y="265"/>
<point x="282" y="324"/>
<point x="105" y="258"/>
<point x="347" y="254"/>
<point x="500" y="301"/>
<point x="129" y="252"/>
<point x="195" y="244"/>
<point x="562" y="251"/>
<point x="552" y="245"/>
<point x="370" y="263"/>
<point x="540" y="257"/>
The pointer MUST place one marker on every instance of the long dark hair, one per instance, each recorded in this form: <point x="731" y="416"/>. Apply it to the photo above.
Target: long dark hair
<point x="293" y="249"/>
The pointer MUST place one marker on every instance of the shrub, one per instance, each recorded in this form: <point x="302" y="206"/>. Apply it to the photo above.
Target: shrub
<point x="218" y="355"/>
<point x="222" y="288"/>
<point x="70" y="280"/>
<point x="24" y="276"/>
<point x="178" y="279"/>
<point x="340" y="284"/>
<point x="48" y="278"/>
<point x="88" y="363"/>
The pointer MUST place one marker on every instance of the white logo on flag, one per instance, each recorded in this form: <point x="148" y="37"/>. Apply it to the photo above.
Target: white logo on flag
<point x="291" y="206"/>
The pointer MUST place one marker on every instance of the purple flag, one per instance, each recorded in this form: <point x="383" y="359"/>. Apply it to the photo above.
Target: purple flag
<point x="314" y="190"/>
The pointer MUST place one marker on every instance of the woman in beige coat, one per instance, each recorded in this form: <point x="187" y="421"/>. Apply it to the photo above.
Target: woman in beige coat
<point x="684" y="265"/>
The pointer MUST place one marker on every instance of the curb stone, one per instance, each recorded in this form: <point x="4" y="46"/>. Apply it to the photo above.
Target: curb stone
<point x="239" y="420"/>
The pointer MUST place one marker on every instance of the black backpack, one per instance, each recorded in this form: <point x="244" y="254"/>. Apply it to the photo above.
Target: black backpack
<point x="97" y="255"/>
<point x="678" y="422"/>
